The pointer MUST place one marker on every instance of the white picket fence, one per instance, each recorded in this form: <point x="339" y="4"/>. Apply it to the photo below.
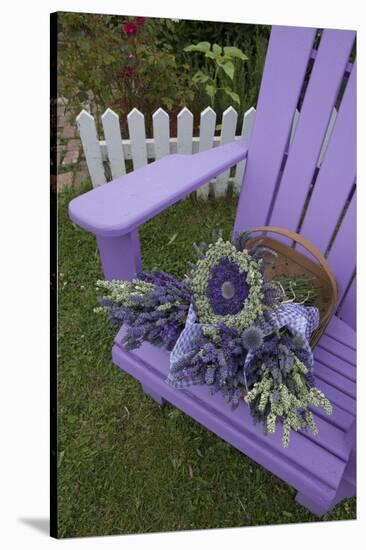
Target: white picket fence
<point x="115" y="150"/>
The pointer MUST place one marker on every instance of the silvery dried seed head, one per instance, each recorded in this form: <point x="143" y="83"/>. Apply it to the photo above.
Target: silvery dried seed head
<point x="252" y="338"/>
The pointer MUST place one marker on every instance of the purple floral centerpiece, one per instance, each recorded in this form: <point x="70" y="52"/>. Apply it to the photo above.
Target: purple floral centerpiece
<point x="227" y="288"/>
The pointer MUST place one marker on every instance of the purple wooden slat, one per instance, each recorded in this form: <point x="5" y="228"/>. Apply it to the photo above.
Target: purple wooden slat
<point x="326" y="431"/>
<point x="342" y="332"/>
<point x="287" y="58"/>
<point x="337" y="396"/>
<point x="345" y="490"/>
<point x="348" y="67"/>
<point x="340" y="417"/>
<point x="338" y="338"/>
<point x="330" y="437"/>
<point x="335" y="379"/>
<point x="348" y="308"/>
<point x="335" y="421"/>
<point x="237" y="426"/>
<point x="338" y="349"/>
<point x="321" y="94"/>
<point x="336" y="176"/>
<point x="119" y="207"/>
<point x="342" y="257"/>
<point x="335" y="363"/>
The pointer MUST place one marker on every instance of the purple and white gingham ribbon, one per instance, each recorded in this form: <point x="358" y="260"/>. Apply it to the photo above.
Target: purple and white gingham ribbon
<point x="185" y="344"/>
<point x="300" y="320"/>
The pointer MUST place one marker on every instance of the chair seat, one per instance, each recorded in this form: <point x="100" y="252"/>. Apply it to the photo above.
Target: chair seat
<point x="311" y="464"/>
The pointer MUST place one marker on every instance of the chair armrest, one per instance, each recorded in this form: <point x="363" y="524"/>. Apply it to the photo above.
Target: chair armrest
<point x="119" y="207"/>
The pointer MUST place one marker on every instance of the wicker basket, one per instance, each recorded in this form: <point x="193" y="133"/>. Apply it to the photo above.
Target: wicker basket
<point x="291" y="262"/>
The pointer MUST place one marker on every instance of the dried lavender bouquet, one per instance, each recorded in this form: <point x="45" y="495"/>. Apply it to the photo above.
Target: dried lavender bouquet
<point x="229" y="328"/>
<point x="153" y="306"/>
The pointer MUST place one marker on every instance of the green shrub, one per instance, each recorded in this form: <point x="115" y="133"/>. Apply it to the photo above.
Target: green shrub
<point x="126" y="62"/>
<point x="116" y="62"/>
<point x="250" y="39"/>
<point x="216" y="78"/>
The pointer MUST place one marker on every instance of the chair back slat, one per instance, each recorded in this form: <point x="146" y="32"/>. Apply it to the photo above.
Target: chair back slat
<point x="283" y="184"/>
<point x="336" y="176"/>
<point x="321" y="94"/>
<point x="287" y="59"/>
<point x="342" y="256"/>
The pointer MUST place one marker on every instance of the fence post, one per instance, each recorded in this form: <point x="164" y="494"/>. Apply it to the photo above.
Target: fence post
<point x="161" y="133"/>
<point x="185" y="132"/>
<point x="136" y="129"/>
<point x="92" y="152"/>
<point x="228" y="130"/>
<point x="248" y="122"/>
<point x="139" y="149"/>
<point x="112" y="134"/>
<point x="207" y="133"/>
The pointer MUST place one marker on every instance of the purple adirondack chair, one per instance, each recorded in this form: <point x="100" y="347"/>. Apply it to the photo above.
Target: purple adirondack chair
<point x="275" y="190"/>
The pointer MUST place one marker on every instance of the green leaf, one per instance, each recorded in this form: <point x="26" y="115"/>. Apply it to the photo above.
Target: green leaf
<point x="210" y="55"/>
<point x="216" y="49"/>
<point x="108" y="59"/>
<point x="171" y="241"/>
<point x="82" y="96"/>
<point x="200" y="47"/>
<point x="229" y="69"/>
<point x="232" y="95"/>
<point x="210" y="91"/>
<point x="204" y="46"/>
<point x="200" y="77"/>
<point x="167" y="102"/>
<point x="60" y="458"/>
<point x="232" y="51"/>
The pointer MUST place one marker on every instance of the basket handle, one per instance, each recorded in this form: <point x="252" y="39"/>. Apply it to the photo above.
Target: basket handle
<point x="314" y="251"/>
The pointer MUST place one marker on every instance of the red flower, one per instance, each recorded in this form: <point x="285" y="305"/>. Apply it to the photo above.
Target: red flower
<point x="140" y="21"/>
<point x="130" y="28"/>
<point x="130" y="70"/>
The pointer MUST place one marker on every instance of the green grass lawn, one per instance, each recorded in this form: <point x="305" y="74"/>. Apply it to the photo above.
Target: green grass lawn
<point x="125" y="464"/>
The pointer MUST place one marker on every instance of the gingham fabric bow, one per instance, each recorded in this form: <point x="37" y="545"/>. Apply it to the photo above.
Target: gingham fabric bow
<point x="185" y="344"/>
<point x="300" y="320"/>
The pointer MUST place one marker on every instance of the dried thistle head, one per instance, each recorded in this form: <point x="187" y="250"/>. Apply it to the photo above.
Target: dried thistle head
<point x="252" y="338"/>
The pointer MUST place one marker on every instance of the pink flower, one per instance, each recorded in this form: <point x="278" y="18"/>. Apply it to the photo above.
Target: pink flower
<point x="130" y="56"/>
<point x="140" y="21"/>
<point x="130" y="70"/>
<point x="130" y="28"/>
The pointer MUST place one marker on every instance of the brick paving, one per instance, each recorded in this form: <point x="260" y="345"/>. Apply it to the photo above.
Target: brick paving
<point x="71" y="166"/>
